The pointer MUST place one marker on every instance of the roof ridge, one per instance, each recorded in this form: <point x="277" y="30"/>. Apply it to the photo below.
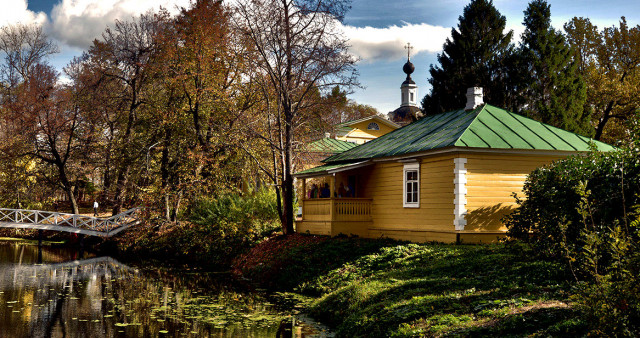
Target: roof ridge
<point x="382" y="119"/>
<point x="470" y="123"/>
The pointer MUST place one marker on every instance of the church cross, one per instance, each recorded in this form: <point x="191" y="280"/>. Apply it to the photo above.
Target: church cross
<point x="408" y="47"/>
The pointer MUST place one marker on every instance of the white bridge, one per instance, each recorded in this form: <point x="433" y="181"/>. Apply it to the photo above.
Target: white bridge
<point x="79" y="224"/>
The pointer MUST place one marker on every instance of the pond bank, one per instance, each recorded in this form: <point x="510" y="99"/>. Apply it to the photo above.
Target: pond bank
<point x="377" y="288"/>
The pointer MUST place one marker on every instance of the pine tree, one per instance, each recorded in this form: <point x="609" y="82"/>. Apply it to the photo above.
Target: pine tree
<point x="476" y="55"/>
<point x="556" y="92"/>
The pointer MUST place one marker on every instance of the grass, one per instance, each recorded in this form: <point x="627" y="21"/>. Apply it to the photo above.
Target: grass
<point x="405" y="290"/>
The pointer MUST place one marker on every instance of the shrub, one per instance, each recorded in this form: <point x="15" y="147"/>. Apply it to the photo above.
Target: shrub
<point x="217" y="231"/>
<point x="235" y="208"/>
<point x="610" y="298"/>
<point x="582" y="210"/>
<point x="549" y="215"/>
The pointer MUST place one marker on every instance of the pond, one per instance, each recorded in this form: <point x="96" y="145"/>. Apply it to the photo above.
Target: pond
<point x="59" y="292"/>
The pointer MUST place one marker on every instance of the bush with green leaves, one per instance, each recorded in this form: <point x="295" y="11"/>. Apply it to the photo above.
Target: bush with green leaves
<point x="549" y="214"/>
<point x="609" y="262"/>
<point x="584" y="210"/>
<point x="218" y="229"/>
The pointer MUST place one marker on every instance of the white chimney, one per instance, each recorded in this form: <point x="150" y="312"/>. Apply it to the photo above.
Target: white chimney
<point x="327" y="135"/>
<point x="474" y="98"/>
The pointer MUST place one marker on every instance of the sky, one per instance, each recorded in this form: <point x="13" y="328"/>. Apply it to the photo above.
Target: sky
<point x="377" y="29"/>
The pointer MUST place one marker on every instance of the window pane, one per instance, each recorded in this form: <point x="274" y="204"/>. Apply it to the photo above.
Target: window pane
<point x="411" y="186"/>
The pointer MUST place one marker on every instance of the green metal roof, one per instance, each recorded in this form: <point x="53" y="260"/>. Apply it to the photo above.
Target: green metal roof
<point x="484" y="127"/>
<point x="323" y="168"/>
<point x="330" y="145"/>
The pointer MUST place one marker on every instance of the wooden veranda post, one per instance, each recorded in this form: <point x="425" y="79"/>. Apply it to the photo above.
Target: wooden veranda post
<point x="332" y="185"/>
<point x="304" y="189"/>
<point x="304" y="194"/>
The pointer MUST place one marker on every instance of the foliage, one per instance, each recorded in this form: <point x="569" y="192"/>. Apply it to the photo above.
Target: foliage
<point x="609" y="61"/>
<point x="476" y="55"/>
<point x="284" y="263"/>
<point x="219" y="230"/>
<point x="610" y="296"/>
<point x="258" y="206"/>
<point x="549" y="216"/>
<point x="585" y="210"/>
<point x="554" y="91"/>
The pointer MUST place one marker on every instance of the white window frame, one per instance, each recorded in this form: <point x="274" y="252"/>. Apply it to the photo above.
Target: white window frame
<point x="373" y="126"/>
<point x="410" y="167"/>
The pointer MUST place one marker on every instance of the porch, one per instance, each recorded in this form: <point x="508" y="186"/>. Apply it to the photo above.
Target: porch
<point x="333" y="216"/>
<point x="332" y="202"/>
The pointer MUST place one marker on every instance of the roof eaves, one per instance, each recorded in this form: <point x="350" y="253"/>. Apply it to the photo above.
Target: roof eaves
<point x="376" y="117"/>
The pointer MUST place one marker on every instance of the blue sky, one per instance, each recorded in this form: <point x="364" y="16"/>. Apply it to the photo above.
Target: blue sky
<point x="377" y="28"/>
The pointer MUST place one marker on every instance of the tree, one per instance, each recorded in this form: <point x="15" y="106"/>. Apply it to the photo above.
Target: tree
<point x="555" y="92"/>
<point x="476" y="55"/>
<point x="24" y="47"/>
<point x="200" y="101"/>
<point x="48" y="120"/>
<point x="37" y="127"/>
<point x="120" y="65"/>
<point x="609" y="61"/>
<point x="297" y="49"/>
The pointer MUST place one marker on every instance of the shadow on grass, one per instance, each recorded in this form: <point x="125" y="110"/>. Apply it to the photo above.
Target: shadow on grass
<point x="470" y="283"/>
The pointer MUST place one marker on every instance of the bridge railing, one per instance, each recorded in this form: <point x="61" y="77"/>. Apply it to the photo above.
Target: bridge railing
<point x="73" y="220"/>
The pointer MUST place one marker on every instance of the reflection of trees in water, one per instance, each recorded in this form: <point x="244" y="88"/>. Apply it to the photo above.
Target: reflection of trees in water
<point x="31" y="254"/>
<point x="49" y="295"/>
<point x="103" y="297"/>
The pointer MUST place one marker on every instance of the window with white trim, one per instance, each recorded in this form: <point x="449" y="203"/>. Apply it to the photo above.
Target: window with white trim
<point x="411" y="185"/>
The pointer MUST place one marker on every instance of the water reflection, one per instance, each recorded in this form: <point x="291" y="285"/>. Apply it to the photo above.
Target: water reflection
<point x="67" y="295"/>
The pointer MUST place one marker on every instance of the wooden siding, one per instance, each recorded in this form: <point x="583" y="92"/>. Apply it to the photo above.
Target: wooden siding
<point x="491" y="182"/>
<point x="383" y="182"/>
<point x="314" y="227"/>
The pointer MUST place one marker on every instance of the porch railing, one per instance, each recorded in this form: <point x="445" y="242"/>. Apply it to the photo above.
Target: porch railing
<point x="337" y="209"/>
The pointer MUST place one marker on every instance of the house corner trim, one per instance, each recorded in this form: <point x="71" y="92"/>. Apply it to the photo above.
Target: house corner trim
<point x="460" y="193"/>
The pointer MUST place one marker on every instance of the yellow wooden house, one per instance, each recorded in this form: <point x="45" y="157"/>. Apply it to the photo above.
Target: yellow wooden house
<point x="448" y="177"/>
<point x="365" y="129"/>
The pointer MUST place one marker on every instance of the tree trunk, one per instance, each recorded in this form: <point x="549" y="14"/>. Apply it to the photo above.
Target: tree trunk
<point x="605" y="118"/>
<point x="287" y="189"/>
<point x="121" y="183"/>
<point x="67" y="187"/>
<point x="164" y="175"/>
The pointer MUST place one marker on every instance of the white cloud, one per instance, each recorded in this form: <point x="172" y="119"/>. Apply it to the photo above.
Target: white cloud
<point x="15" y="11"/>
<point x="78" y="22"/>
<point x="376" y="44"/>
<point x="517" y="29"/>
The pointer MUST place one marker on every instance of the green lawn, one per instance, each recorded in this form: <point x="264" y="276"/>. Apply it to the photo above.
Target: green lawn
<point x="438" y="290"/>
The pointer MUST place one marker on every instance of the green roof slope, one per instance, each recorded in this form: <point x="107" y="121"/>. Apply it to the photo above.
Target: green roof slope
<point x="484" y="127"/>
<point x="330" y="145"/>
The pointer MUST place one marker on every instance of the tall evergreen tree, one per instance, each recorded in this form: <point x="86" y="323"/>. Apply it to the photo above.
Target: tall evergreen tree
<point x="556" y="92"/>
<point x="476" y="55"/>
